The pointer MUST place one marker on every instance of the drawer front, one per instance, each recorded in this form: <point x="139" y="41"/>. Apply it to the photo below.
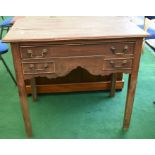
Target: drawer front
<point x="112" y="49"/>
<point x="62" y="66"/>
<point x="117" y="64"/>
<point x="38" y="68"/>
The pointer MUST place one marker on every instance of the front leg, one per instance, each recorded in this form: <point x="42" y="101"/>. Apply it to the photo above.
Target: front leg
<point x="21" y="88"/>
<point x="132" y="84"/>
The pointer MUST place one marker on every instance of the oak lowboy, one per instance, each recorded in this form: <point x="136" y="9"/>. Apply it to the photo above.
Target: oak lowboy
<point x="53" y="46"/>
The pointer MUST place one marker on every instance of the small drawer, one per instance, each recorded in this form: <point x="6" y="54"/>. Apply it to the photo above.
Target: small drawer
<point x="117" y="64"/>
<point x="38" y="68"/>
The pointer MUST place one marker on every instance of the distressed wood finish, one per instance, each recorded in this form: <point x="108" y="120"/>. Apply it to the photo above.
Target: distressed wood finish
<point x="110" y="49"/>
<point x="21" y="88"/>
<point x="70" y="28"/>
<point x="57" y="67"/>
<point x="99" y="57"/>
<point x="54" y="46"/>
<point x="132" y="84"/>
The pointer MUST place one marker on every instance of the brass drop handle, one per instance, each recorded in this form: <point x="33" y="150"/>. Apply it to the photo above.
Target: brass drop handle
<point x="32" y="66"/>
<point x="114" y="65"/>
<point x="114" y="50"/>
<point x="44" y="51"/>
<point x="30" y="53"/>
<point x="126" y="48"/>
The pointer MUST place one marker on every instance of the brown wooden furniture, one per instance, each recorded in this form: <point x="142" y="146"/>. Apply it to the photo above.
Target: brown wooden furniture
<point x="53" y="46"/>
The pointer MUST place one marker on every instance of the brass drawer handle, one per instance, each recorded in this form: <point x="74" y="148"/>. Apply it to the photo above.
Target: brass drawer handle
<point x="30" y="53"/>
<point x="32" y="66"/>
<point x="114" y="65"/>
<point x="125" y="50"/>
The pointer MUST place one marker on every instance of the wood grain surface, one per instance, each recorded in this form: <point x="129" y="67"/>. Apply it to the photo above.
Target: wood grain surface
<point x="67" y="28"/>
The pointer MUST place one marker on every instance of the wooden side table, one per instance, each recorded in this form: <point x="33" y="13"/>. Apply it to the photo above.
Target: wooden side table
<point x="53" y="47"/>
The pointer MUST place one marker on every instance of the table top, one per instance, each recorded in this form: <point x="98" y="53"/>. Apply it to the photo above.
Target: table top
<point x="54" y="28"/>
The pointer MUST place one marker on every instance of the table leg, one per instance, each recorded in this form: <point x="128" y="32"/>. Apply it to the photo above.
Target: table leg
<point x="24" y="107"/>
<point x="34" y="89"/>
<point x="132" y="84"/>
<point x="21" y="88"/>
<point x="129" y="101"/>
<point x="113" y="84"/>
<point x="129" y="104"/>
